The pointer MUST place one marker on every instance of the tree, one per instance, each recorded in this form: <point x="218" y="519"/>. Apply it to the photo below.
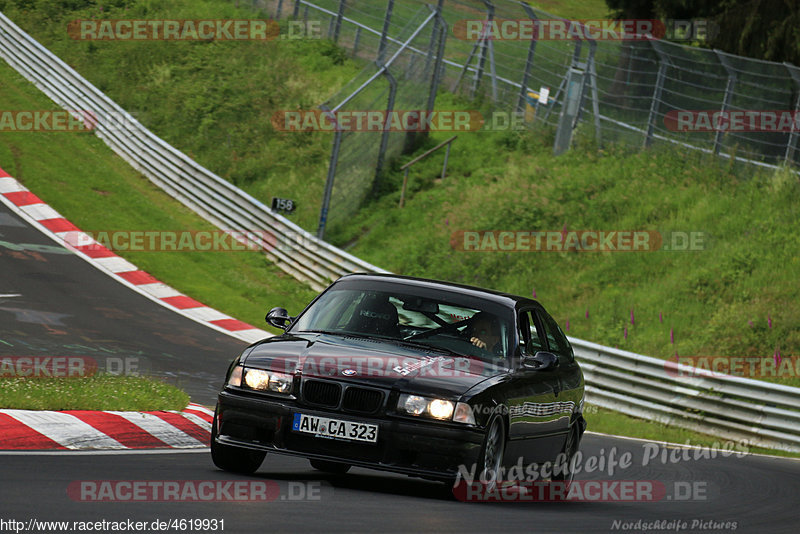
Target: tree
<point x="763" y="29"/>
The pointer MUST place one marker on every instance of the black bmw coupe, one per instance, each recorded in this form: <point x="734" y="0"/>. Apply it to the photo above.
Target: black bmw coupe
<point x="413" y="376"/>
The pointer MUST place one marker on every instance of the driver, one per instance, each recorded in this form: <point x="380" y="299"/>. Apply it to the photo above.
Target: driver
<point x="485" y="333"/>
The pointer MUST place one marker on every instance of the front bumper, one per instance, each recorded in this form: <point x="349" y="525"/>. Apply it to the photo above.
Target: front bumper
<point x="427" y="449"/>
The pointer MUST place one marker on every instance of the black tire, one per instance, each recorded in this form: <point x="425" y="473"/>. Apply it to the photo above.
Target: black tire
<point x="234" y="459"/>
<point x="565" y="474"/>
<point x="492" y="451"/>
<point x="336" y="468"/>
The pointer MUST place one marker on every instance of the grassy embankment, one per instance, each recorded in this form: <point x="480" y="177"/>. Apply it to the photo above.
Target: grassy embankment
<point x="736" y="296"/>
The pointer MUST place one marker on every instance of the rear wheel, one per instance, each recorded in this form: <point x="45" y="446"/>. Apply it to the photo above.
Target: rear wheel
<point x="563" y="471"/>
<point x="337" y="468"/>
<point x="234" y="459"/>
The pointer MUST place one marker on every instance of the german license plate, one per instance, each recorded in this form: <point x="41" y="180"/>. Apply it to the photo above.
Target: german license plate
<point x="335" y="428"/>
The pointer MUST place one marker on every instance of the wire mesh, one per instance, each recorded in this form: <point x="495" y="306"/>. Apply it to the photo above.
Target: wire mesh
<point x="632" y="91"/>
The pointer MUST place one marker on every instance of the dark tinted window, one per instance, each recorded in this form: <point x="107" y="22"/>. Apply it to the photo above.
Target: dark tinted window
<point x="556" y="339"/>
<point x="530" y="334"/>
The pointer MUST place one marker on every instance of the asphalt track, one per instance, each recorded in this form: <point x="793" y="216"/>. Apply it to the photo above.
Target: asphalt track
<point x="56" y="304"/>
<point x="758" y="494"/>
<point x="64" y="306"/>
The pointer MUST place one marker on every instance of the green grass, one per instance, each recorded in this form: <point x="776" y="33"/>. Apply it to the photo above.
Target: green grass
<point x="211" y="102"/>
<point x="573" y="9"/>
<point x="102" y="392"/>
<point x="81" y="178"/>
<point x="737" y="296"/>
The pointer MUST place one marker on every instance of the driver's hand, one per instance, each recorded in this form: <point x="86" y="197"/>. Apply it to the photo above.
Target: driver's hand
<point x="477" y="342"/>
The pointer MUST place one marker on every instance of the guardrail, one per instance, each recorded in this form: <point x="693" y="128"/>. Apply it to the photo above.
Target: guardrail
<point x="762" y="413"/>
<point x="731" y="407"/>
<point x="295" y="251"/>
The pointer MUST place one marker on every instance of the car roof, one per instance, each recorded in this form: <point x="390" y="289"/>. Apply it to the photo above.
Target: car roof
<point x="499" y="297"/>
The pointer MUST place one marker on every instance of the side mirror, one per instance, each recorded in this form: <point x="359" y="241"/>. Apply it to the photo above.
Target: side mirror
<point x="541" y="361"/>
<point x="279" y="318"/>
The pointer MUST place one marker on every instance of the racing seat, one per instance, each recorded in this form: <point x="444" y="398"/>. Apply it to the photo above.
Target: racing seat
<point x="375" y="315"/>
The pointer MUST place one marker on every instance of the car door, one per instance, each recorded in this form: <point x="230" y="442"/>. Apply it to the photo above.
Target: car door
<point x="535" y="428"/>
<point x="570" y="378"/>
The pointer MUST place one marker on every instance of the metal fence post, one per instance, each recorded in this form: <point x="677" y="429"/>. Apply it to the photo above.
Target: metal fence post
<point x="434" y="36"/>
<point x="465" y="67"/>
<point x="355" y="42"/>
<point x="726" y="101"/>
<point x="523" y="90"/>
<point x="385" y="133"/>
<point x="590" y="79"/>
<point x="493" y="70"/>
<point x="326" y="199"/>
<point x="484" y="49"/>
<point x="385" y="32"/>
<point x="441" y="26"/>
<point x="598" y="133"/>
<point x="663" y="63"/>
<point x="576" y="56"/>
<point x="570" y="109"/>
<point x="338" y="25"/>
<point x="296" y="9"/>
<point x="278" y="9"/>
<point x="791" y="144"/>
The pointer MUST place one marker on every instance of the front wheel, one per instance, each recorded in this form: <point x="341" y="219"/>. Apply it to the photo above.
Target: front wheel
<point x="234" y="459"/>
<point x="492" y="451"/>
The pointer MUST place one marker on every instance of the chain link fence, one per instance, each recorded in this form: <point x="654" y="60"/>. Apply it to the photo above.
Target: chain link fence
<point x="622" y="91"/>
<point x="402" y="77"/>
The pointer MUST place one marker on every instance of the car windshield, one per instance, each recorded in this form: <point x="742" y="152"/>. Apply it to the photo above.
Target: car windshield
<point x="445" y="320"/>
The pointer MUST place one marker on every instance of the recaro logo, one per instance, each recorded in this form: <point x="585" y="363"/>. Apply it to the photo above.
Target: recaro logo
<point x="375" y="315"/>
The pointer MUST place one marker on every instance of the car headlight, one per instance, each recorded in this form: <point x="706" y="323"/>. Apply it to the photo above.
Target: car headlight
<point x="256" y="379"/>
<point x="441" y="409"/>
<point x="236" y="376"/>
<point x="261" y="380"/>
<point x="414" y="404"/>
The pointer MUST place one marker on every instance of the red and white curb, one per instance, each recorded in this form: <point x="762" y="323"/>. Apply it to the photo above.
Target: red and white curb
<point x="51" y="223"/>
<point x="79" y="429"/>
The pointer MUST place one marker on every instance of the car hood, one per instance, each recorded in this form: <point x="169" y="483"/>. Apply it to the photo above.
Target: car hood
<point x="370" y="361"/>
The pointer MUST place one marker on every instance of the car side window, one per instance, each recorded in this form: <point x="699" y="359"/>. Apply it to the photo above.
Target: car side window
<point x="556" y="340"/>
<point x="530" y="334"/>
